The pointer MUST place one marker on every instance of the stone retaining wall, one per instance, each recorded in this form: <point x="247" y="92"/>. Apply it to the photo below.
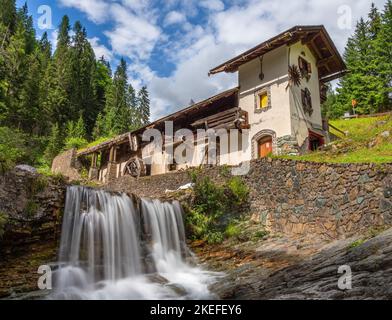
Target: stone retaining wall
<point x="332" y="200"/>
<point x="295" y="197"/>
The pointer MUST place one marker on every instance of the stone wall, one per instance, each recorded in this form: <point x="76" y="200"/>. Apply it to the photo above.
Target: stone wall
<point x="66" y="164"/>
<point x="31" y="207"/>
<point x="295" y="197"/>
<point x="331" y="200"/>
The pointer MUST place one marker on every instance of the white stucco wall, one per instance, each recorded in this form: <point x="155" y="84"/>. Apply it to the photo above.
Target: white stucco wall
<point x="301" y="122"/>
<point x="278" y="117"/>
<point x="284" y="118"/>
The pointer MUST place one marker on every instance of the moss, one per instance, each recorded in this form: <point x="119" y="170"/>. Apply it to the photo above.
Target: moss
<point x="261" y="234"/>
<point x="31" y="208"/>
<point x="356" y="243"/>
<point x="39" y="185"/>
<point x="3" y="222"/>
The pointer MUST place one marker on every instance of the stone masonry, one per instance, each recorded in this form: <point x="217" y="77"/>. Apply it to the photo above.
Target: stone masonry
<point x="296" y="197"/>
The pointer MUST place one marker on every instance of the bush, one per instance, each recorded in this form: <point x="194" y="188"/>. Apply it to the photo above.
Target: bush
<point x="232" y="230"/>
<point x="261" y="234"/>
<point x="13" y="148"/>
<point x="209" y="216"/>
<point x="214" y="237"/>
<point x="238" y="189"/>
<point x="76" y="143"/>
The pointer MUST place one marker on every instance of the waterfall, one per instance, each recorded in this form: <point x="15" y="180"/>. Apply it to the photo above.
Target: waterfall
<point x="112" y="248"/>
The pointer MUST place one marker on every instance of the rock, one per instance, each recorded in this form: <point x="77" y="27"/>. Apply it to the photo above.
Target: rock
<point x="25" y="167"/>
<point x="313" y="274"/>
<point x="32" y="204"/>
<point x="385" y="134"/>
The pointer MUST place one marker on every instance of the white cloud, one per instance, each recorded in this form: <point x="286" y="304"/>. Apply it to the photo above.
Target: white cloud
<point x="174" y="17"/>
<point x="100" y="49"/>
<point x="96" y="10"/>
<point x="132" y="36"/>
<point x="197" y="48"/>
<point x="53" y="38"/>
<point x="213" y="5"/>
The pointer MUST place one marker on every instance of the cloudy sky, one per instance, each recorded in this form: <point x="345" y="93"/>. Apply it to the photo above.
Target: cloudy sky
<point x="171" y="45"/>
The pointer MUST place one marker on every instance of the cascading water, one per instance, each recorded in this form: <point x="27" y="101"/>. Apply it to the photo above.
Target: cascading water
<point x="113" y="249"/>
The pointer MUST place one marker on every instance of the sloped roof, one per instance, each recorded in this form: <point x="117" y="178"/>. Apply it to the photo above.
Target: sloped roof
<point x="172" y="117"/>
<point x="330" y="62"/>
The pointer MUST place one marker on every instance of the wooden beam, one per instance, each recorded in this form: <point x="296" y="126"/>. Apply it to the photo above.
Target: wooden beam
<point x="324" y="62"/>
<point x="214" y="117"/>
<point x="309" y="37"/>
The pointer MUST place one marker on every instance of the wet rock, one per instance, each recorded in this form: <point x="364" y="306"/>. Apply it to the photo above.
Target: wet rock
<point x="313" y="273"/>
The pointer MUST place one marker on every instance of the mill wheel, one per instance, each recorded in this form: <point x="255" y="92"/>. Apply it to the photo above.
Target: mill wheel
<point x="135" y="167"/>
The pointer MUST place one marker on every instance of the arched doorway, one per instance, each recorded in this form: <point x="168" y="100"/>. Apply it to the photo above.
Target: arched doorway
<point x="264" y="147"/>
<point x="263" y="144"/>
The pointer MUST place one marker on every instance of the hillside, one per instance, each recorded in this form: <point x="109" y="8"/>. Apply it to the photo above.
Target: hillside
<point x="366" y="140"/>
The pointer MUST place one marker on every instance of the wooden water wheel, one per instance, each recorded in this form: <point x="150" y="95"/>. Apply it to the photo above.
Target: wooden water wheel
<point x="135" y="167"/>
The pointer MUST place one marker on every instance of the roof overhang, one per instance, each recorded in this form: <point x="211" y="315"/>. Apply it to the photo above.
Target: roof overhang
<point x="183" y="114"/>
<point x="329" y="60"/>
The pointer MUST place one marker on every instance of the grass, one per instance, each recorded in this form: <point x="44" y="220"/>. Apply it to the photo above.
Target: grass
<point x="357" y="243"/>
<point x="94" y="143"/>
<point x="362" y="144"/>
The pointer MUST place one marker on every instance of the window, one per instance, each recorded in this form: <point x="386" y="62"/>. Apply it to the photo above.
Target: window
<point x="305" y="68"/>
<point x="262" y="100"/>
<point x="307" y="102"/>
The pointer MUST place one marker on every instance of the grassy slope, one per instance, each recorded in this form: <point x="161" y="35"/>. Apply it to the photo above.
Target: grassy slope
<point x="362" y="144"/>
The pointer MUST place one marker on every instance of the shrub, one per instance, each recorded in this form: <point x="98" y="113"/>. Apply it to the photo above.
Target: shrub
<point x="232" y="230"/>
<point x="224" y="171"/>
<point x="76" y="143"/>
<point x="214" y="237"/>
<point x="13" y="148"/>
<point x="209" y="216"/>
<point x="261" y="234"/>
<point x="238" y="189"/>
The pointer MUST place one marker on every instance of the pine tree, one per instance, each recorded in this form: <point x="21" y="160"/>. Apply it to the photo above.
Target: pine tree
<point x="15" y="73"/>
<point x="58" y="79"/>
<point x="103" y="80"/>
<point x="362" y="84"/>
<point x="83" y="71"/>
<point x="76" y="134"/>
<point x="384" y="51"/>
<point x="118" y="113"/>
<point x="144" y="105"/>
<point x="27" y="21"/>
<point x="54" y="145"/>
<point x="8" y="17"/>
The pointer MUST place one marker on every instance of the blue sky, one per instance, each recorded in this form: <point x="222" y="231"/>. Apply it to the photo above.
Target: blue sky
<point x="171" y="45"/>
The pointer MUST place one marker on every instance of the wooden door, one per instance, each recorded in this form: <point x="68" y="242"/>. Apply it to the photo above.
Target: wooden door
<point x="265" y="147"/>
